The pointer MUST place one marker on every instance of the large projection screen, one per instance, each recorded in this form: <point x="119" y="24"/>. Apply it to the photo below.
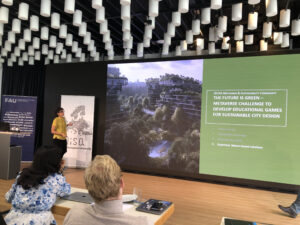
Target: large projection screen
<point x="229" y="117"/>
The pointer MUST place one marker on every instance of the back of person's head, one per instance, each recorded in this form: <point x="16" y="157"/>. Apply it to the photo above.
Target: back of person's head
<point x="47" y="161"/>
<point x="103" y="178"/>
<point x="57" y="110"/>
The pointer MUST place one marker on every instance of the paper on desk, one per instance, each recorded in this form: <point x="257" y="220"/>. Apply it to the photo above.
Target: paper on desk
<point x="127" y="206"/>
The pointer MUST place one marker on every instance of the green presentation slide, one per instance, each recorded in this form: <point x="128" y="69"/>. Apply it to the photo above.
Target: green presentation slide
<point x="250" y="121"/>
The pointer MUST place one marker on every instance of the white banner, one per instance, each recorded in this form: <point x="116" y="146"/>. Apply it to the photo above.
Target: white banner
<point x="79" y="110"/>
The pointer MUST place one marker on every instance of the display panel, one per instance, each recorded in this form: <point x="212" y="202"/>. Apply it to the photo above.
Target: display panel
<point x="248" y="108"/>
<point x="153" y="114"/>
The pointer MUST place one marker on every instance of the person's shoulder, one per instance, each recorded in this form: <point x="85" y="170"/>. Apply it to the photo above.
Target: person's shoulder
<point x="78" y="212"/>
<point x="138" y="220"/>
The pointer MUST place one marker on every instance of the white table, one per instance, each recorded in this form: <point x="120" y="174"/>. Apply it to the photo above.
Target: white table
<point x="62" y="206"/>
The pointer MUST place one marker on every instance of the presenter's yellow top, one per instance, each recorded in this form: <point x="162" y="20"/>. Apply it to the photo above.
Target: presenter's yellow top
<point x="60" y="126"/>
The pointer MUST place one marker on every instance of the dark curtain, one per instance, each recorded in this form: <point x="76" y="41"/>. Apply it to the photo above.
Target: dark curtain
<point x="27" y="81"/>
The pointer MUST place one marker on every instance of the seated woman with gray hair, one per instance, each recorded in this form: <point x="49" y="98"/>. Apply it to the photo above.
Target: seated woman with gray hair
<point x="103" y="179"/>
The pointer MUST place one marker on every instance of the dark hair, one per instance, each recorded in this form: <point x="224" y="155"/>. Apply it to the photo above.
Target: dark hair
<point x="57" y="110"/>
<point x="47" y="161"/>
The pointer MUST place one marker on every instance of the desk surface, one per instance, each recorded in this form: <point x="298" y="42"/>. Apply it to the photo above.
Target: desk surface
<point x="61" y="207"/>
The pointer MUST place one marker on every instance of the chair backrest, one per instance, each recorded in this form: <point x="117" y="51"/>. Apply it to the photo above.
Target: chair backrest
<point x="2" y="221"/>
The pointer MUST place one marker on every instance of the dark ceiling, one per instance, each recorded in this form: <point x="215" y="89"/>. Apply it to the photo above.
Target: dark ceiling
<point x="139" y="12"/>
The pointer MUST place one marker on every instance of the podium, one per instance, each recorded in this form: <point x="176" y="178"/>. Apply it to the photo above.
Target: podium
<point x="10" y="157"/>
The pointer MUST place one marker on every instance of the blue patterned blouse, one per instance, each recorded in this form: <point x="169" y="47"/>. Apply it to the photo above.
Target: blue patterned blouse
<point x="33" y="206"/>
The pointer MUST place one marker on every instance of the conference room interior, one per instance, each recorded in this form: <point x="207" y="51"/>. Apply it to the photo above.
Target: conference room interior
<point x="196" y="100"/>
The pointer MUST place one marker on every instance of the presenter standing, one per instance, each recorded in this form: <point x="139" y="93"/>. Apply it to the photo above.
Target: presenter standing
<point x="59" y="130"/>
<point x="294" y="209"/>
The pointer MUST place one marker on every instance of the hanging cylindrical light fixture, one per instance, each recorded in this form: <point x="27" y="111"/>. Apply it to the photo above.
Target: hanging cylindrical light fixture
<point x="69" y="40"/>
<point x="167" y="39"/>
<point x="153" y="8"/>
<point x="74" y="46"/>
<point x="78" y="53"/>
<point x="146" y="43"/>
<point x="103" y="27"/>
<point x="30" y="50"/>
<point x="126" y="36"/>
<point x="253" y="2"/>
<point x="263" y="45"/>
<point x="34" y="23"/>
<point x="195" y="27"/>
<point x="44" y="49"/>
<point x="11" y="37"/>
<point x="63" y="54"/>
<point x="285" y="40"/>
<point x="238" y="32"/>
<point x="171" y="30"/>
<point x="82" y="29"/>
<point x="271" y="8"/>
<point x="222" y="23"/>
<point x="36" y="43"/>
<point x="3" y="52"/>
<point x="267" y="29"/>
<point x="211" y="34"/>
<point x="59" y="48"/>
<point x="27" y="35"/>
<point x="176" y="18"/>
<point x="25" y="56"/>
<point x="20" y="62"/>
<point x="56" y="59"/>
<point x="16" y="26"/>
<point x="31" y="61"/>
<point x="23" y="11"/>
<point x="82" y="57"/>
<point x="91" y="45"/>
<point x="211" y="48"/>
<point x="87" y="38"/>
<point x="55" y="20"/>
<point x="285" y="17"/>
<point x="4" y="13"/>
<point x="216" y="4"/>
<point x="295" y="27"/>
<point x="126" y="25"/>
<point x="252" y="20"/>
<point x="37" y="55"/>
<point x="148" y="32"/>
<point x="140" y="50"/>
<point x="249" y="39"/>
<point x="69" y="6"/>
<point x="189" y="36"/>
<point x="52" y="41"/>
<point x="44" y="33"/>
<point x="237" y="12"/>
<point x="108" y="45"/>
<point x="183" y="45"/>
<point x="125" y="12"/>
<point x="21" y="44"/>
<point x="225" y="44"/>
<point x="205" y="16"/>
<point x="97" y="56"/>
<point x="277" y="38"/>
<point x="178" y="51"/>
<point x="106" y="37"/>
<point x="183" y="6"/>
<point x="45" y="8"/>
<point x="63" y="31"/>
<point x="100" y="15"/>
<point x="77" y="18"/>
<point x="69" y="58"/>
<point x="7" y="2"/>
<point x="239" y="46"/>
<point x="165" y="50"/>
<point x="7" y="46"/>
<point x="200" y="43"/>
<point x="1" y="29"/>
<point x="125" y="2"/>
<point x="17" y="51"/>
<point x="96" y="4"/>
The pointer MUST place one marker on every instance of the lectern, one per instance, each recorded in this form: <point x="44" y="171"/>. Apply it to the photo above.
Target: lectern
<point x="10" y="157"/>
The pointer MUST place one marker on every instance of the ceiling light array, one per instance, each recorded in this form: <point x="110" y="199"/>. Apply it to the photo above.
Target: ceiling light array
<point x="56" y="50"/>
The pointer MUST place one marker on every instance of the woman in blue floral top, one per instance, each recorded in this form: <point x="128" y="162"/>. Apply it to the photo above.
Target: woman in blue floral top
<point x="36" y="188"/>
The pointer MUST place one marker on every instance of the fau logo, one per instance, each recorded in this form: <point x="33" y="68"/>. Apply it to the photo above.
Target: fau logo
<point x="11" y="100"/>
